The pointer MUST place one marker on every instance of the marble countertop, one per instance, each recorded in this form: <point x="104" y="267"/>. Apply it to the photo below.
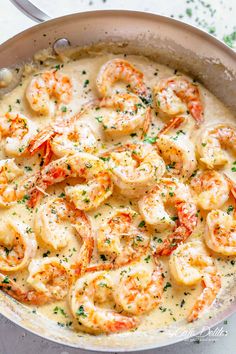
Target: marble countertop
<point x="216" y="17"/>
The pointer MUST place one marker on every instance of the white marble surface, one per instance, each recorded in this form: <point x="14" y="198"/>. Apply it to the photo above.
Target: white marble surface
<point x="216" y="16"/>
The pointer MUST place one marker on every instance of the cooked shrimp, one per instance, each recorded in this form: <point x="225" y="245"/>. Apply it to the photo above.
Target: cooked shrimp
<point x="87" y="294"/>
<point x="120" y="70"/>
<point x="220" y="233"/>
<point x="139" y="291"/>
<point x="47" y="86"/>
<point x="17" y="245"/>
<point x="122" y="238"/>
<point x="135" y="168"/>
<point x="65" y="137"/>
<point x="10" y="191"/>
<point x="211" y="189"/>
<point x="50" y="226"/>
<point x="176" y="95"/>
<point x="189" y="264"/>
<point x="17" y="131"/>
<point x="81" y="165"/>
<point x="212" y="143"/>
<point x="49" y="280"/>
<point x="126" y="113"/>
<point x="8" y="172"/>
<point x="169" y="191"/>
<point x="178" y="154"/>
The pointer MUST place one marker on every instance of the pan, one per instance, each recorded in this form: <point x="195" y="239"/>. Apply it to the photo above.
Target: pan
<point x="168" y="41"/>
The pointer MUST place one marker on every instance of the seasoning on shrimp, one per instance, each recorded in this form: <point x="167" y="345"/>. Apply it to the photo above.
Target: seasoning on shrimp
<point x="175" y="95"/>
<point x="86" y="299"/>
<point x="17" y="246"/>
<point x="213" y="141"/>
<point x="49" y="279"/>
<point x="152" y="208"/>
<point x="46" y="86"/>
<point x="189" y="264"/>
<point x="220" y="232"/>
<point x="17" y="131"/>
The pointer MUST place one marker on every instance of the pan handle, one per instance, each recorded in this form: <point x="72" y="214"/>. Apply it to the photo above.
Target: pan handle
<point x="30" y="10"/>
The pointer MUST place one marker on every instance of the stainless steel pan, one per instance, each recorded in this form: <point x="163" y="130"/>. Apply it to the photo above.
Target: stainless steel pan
<point x="166" y="40"/>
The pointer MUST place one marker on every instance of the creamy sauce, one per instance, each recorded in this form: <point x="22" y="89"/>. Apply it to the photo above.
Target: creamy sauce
<point x="177" y="301"/>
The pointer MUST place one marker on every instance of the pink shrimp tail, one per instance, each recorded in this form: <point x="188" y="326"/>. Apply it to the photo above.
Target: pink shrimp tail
<point x="123" y="323"/>
<point x="187" y="222"/>
<point x="211" y="285"/>
<point x="196" y="111"/>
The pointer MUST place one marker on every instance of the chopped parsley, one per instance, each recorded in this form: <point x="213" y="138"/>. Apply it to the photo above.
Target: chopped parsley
<point x="141" y="224"/>
<point x="6" y="280"/>
<point x="80" y="312"/>
<point x="168" y="285"/>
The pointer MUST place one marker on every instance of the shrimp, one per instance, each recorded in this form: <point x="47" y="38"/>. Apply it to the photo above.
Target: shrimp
<point x="211" y="189"/>
<point x="178" y="153"/>
<point x="220" y="232"/>
<point x="17" y="245"/>
<point x="176" y="95"/>
<point x="87" y="196"/>
<point x="135" y="168"/>
<point x="212" y="143"/>
<point x="49" y="280"/>
<point x="9" y="171"/>
<point x="86" y="299"/>
<point x="126" y="113"/>
<point x="189" y="264"/>
<point x="10" y="191"/>
<point x="122" y="239"/>
<point x="17" y="131"/>
<point x="65" y="138"/>
<point x="169" y="191"/>
<point x="50" y="227"/>
<point x="120" y="70"/>
<point x="139" y="291"/>
<point x="45" y="87"/>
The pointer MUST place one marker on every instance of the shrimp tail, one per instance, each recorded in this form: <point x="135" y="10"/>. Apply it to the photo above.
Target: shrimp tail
<point x="197" y="112"/>
<point x="122" y="323"/>
<point x="187" y="222"/>
<point x="212" y="285"/>
<point x="232" y="185"/>
<point x="27" y="297"/>
<point x="40" y="139"/>
<point x="174" y="123"/>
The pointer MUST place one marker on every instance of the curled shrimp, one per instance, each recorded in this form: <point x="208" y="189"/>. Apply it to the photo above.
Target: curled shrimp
<point x="90" y="168"/>
<point x="125" y="113"/>
<point x="212" y="143"/>
<point x="176" y="95"/>
<point x="139" y="291"/>
<point x="135" y="168"/>
<point x="50" y="226"/>
<point x="49" y="280"/>
<point x="10" y="191"/>
<point x="220" y="232"/>
<point x="169" y="191"/>
<point x="87" y="297"/>
<point x="65" y="137"/>
<point x="122" y="239"/>
<point x="120" y="70"/>
<point x="211" y="189"/>
<point x="45" y="87"/>
<point x="17" y="246"/>
<point x="178" y="153"/>
<point x="189" y="264"/>
<point x="17" y="131"/>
